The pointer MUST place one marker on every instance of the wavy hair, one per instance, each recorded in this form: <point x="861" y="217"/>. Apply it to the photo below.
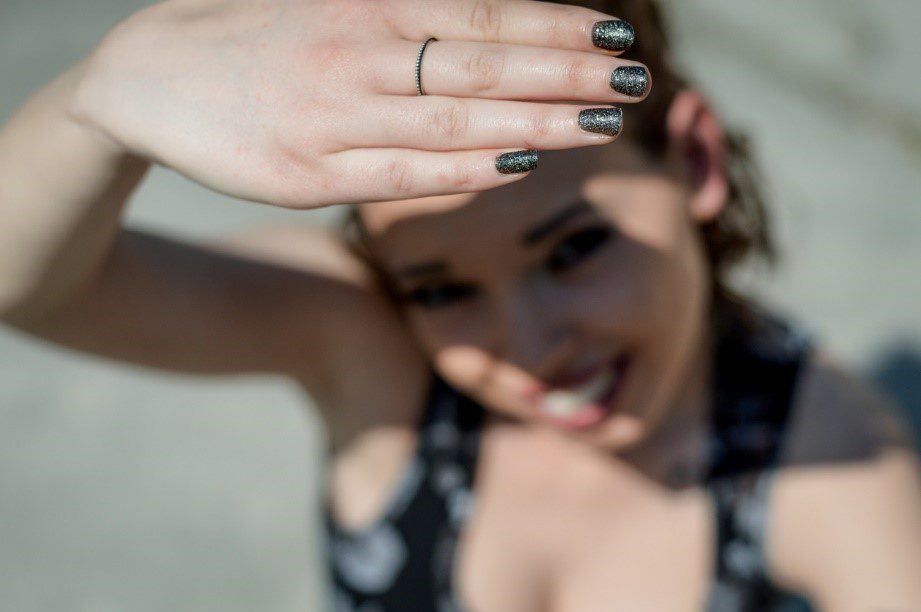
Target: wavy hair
<point x="742" y="229"/>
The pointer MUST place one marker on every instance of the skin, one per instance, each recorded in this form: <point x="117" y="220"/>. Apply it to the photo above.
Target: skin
<point x="523" y="325"/>
<point x="606" y="523"/>
<point x="309" y="103"/>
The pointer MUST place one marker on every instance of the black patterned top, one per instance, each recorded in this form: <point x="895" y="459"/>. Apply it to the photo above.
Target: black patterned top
<point x="404" y="561"/>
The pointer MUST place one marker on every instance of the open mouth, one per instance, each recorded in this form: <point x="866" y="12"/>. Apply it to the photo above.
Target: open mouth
<point x="588" y="401"/>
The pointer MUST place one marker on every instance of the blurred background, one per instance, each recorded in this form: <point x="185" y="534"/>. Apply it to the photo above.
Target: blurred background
<point x="125" y="489"/>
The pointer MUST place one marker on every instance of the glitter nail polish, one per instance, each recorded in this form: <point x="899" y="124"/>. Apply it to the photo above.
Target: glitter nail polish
<point x="613" y="35"/>
<point x="602" y="120"/>
<point x="630" y="80"/>
<point x="516" y="162"/>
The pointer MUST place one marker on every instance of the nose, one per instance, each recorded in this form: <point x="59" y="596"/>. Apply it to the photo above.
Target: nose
<point x="531" y="333"/>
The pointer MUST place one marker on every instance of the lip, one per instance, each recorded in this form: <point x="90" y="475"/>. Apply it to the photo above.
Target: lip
<point x="597" y="411"/>
<point x="574" y="379"/>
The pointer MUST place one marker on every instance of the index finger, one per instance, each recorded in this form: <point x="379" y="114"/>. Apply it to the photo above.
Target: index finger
<point x="518" y="22"/>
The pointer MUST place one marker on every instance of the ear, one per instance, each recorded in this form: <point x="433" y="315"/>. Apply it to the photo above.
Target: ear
<point x="697" y="145"/>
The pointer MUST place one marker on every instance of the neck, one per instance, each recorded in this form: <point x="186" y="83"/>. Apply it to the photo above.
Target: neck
<point x="675" y="454"/>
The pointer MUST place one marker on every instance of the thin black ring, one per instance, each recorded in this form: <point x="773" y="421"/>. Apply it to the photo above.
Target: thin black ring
<point x="419" y="65"/>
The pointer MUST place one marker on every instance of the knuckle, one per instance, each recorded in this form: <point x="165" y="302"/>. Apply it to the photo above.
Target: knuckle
<point x="463" y="177"/>
<point x="316" y="60"/>
<point x="541" y="124"/>
<point x="563" y="28"/>
<point x="288" y="173"/>
<point x="486" y="19"/>
<point x="399" y="176"/>
<point x="485" y="68"/>
<point x="286" y="154"/>
<point x="450" y="121"/>
<point x="325" y="52"/>
<point x="575" y="75"/>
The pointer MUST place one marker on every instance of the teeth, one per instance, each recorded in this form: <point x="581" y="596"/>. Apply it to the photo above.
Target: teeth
<point x="572" y="401"/>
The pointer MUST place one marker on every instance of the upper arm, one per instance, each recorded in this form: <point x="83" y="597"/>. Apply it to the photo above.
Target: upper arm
<point x="846" y="506"/>
<point x="289" y="301"/>
<point x="342" y="335"/>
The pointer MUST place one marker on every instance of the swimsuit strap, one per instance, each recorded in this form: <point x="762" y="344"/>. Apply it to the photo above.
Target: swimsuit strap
<point x="404" y="561"/>
<point x="756" y="370"/>
<point x="450" y="446"/>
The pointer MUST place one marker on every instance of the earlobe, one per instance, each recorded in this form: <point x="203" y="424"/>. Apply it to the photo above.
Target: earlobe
<point x="698" y="144"/>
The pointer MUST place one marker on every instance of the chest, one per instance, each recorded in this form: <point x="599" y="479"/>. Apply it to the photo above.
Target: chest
<point x="552" y="527"/>
<point x="555" y="530"/>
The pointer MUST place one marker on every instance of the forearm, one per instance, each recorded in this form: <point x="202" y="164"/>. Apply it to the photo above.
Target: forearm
<point x="62" y="189"/>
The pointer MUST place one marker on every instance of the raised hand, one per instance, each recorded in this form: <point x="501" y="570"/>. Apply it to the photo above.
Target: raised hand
<point x="305" y="103"/>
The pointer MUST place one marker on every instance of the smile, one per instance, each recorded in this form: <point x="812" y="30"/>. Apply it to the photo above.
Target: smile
<point x="586" y="402"/>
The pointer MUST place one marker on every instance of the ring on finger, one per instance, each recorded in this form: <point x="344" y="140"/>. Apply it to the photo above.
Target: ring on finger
<point x="419" y="65"/>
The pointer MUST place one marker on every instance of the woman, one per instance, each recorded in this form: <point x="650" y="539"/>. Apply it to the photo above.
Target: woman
<point x="539" y="397"/>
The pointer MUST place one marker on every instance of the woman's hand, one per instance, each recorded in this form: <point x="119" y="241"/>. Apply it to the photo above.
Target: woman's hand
<point x="304" y="103"/>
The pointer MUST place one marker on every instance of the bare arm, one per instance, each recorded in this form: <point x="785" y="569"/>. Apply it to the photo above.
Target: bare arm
<point x="70" y="275"/>
<point x="850" y="535"/>
<point x="847" y="507"/>
<point x="62" y="189"/>
<point x="249" y="99"/>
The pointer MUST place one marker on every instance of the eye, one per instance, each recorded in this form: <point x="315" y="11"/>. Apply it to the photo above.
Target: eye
<point x="439" y="295"/>
<point x="578" y="247"/>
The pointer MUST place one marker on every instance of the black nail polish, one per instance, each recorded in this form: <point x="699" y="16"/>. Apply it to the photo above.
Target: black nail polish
<point x="613" y="35"/>
<point x="630" y="80"/>
<point x="516" y="162"/>
<point x="602" y="120"/>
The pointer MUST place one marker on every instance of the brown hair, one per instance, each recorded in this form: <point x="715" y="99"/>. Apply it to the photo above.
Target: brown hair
<point x="742" y="228"/>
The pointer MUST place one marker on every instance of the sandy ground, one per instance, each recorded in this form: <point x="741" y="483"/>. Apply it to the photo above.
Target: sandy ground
<point x="123" y="489"/>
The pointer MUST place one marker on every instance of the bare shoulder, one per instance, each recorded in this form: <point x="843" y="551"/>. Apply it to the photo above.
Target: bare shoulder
<point x="838" y="416"/>
<point x="846" y="503"/>
<point x="371" y="372"/>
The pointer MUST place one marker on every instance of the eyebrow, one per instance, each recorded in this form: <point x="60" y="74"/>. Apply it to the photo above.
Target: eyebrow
<point x="547" y="227"/>
<point x="530" y="238"/>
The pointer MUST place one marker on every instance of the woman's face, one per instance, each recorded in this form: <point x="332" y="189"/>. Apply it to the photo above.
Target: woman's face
<point x="576" y="297"/>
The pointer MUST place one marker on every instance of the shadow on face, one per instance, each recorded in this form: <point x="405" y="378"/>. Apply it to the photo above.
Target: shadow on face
<point x="575" y="297"/>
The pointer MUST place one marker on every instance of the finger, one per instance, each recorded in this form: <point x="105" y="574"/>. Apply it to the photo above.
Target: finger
<point x="512" y="72"/>
<point x="519" y="22"/>
<point x="438" y="123"/>
<point x="400" y="174"/>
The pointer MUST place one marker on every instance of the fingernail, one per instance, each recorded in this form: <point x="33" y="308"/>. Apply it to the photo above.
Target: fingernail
<point x="516" y="162"/>
<point x="614" y="35"/>
<point x="602" y="120"/>
<point x="630" y="80"/>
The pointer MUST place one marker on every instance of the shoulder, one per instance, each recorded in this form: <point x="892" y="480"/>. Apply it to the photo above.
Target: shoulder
<point x="846" y="504"/>
<point x="340" y="334"/>
<point x="838" y="416"/>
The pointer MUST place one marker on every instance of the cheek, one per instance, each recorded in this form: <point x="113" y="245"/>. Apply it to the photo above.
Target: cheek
<point x="663" y="271"/>
<point x="630" y="292"/>
<point x="666" y="293"/>
<point x="685" y="280"/>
